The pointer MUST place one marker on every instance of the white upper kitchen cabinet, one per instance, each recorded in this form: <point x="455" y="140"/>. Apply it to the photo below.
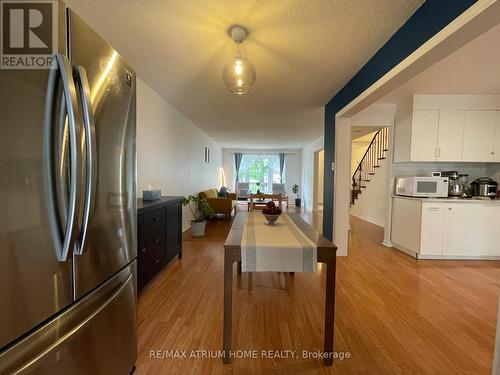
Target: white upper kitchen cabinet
<point x="424" y="135"/>
<point x="450" y="135"/>
<point x="479" y="136"/>
<point x="496" y="155"/>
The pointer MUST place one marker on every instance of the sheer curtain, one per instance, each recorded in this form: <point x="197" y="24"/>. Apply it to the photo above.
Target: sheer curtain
<point x="263" y="168"/>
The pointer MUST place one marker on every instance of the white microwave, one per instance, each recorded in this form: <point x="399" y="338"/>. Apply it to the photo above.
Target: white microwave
<point x="435" y="187"/>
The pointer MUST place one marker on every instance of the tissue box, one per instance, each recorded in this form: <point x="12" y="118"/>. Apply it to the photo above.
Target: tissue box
<point x="151" y="195"/>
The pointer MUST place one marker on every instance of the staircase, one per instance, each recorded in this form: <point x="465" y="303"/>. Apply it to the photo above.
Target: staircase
<point x="376" y="151"/>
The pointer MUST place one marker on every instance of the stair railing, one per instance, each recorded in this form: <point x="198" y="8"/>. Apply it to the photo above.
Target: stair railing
<point x="377" y="150"/>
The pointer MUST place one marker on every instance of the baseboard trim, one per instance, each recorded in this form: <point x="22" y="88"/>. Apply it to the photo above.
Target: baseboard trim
<point x="387" y="243"/>
<point x="458" y="257"/>
<point x="405" y="250"/>
<point x="369" y="219"/>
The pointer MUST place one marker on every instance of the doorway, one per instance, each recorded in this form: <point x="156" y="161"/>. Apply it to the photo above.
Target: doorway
<point x="319" y="162"/>
<point x="369" y="178"/>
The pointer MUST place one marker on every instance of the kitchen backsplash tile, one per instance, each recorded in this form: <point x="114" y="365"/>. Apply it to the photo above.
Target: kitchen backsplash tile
<point x="493" y="171"/>
<point x="474" y="170"/>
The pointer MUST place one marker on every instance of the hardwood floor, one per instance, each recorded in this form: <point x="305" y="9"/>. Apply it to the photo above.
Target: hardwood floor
<point x="394" y="315"/>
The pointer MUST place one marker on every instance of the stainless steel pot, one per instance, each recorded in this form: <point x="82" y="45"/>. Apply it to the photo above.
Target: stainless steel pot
<point x="484" y="187"/>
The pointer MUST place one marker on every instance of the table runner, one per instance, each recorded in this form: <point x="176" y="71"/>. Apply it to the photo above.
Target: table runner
<point x="280" y="247"/>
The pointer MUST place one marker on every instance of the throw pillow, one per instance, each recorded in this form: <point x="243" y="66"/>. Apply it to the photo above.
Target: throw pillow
<point x="223" y="193"/>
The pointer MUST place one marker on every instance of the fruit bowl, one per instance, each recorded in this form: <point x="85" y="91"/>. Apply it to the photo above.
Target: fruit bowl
<point x="271" y="218"/>
<point x="271" y="212"/>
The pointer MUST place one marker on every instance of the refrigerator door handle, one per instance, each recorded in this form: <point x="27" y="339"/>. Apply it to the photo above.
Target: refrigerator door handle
<point x="63" y="240"/>
<point x="91" y="155"/>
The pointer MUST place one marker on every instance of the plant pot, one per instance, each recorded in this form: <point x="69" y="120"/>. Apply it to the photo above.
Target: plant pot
<point x="198" y="228"/>
<point x="298" y="202"/>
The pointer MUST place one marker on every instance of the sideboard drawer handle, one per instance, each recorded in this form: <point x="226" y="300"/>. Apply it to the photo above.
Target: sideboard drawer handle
<point x="143" y="250"/>
<point x="157" y="261"/>
<point x="157" y="239"/>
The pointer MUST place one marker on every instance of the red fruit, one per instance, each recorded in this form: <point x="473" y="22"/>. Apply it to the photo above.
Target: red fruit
<point x="266" y="211"/>
<point x="278" y="210"/>
<point x="271" y="204"/>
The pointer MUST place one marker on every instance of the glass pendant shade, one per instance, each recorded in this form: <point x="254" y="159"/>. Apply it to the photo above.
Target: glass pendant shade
<point x="239" y="75"/>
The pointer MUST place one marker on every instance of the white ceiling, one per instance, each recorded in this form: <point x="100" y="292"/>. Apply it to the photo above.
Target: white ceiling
<point x="363" y="133"/>
<point x="304" y="51"/>
<point x="473" y="69"/>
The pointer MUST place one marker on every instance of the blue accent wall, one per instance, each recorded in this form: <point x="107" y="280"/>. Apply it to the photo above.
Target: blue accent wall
<point x="427" y="21"/>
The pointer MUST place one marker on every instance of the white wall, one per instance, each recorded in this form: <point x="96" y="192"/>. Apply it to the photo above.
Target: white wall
<point x="371" y="204"/>
<point x="320" y="176"/>
<point x="307" y="184"/>
<point x="170" y="150"/>
<point x="292" y="166"/>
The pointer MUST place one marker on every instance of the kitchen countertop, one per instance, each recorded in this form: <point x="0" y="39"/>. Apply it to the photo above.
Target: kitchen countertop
<point x="495" y="201"/>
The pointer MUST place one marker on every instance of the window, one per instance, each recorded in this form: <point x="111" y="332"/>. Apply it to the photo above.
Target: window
<point x="263" y="169"/>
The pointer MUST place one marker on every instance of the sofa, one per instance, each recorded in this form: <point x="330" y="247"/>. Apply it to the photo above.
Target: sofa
<point x="220" y="205"/>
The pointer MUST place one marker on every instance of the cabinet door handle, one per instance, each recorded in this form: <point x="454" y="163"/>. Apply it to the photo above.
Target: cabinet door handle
<point x="433" y="209"/>
<point x="449" y="208"/>
<point x="157" y="239"/>
<point x="157" y="261"/>
<point x="156" y="218"/>
<point x="143" y="250"/>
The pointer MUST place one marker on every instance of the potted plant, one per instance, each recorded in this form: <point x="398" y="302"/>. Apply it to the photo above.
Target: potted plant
<point x="258" y="187"/>
<point x="201" y="210"/>
<point x="298" y="201"/>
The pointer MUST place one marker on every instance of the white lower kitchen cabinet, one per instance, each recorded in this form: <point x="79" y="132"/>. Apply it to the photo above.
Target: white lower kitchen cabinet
<point x="444" y="228"/>
<point x="406" y="223"/>
<point x="431" y="236"/>
<point x="471" y="229"/>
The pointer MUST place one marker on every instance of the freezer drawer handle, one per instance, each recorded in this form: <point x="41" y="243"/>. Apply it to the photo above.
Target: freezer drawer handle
<point x="91" y="155"/>
<point x="64" y="241"/>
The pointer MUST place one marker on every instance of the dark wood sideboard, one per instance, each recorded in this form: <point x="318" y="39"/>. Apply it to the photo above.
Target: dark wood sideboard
<point x="159" y="236"/>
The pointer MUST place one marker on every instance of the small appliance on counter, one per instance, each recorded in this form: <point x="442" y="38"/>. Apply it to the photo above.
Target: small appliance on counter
<point x="484" y="187"/>
<point x="423" y="187"/>
<point x="458" y="186"/>
<point x="151" y="195"/>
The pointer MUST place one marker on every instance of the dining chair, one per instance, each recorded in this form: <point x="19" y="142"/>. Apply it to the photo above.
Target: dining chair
<point x="242" y="189"/>
<point x="279" y="188"/>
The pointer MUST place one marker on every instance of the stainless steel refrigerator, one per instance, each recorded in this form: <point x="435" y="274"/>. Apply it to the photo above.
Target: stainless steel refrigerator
<point x="67" y="210"/>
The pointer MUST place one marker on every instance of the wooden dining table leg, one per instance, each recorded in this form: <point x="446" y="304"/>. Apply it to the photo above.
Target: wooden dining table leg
<point x="329" y="311"/>
<point x="229" y="259"/>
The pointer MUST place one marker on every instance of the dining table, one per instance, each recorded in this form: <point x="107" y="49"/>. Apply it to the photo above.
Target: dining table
<point x="326" y="253"/>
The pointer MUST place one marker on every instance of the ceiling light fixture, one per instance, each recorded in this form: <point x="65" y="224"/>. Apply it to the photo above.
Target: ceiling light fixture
<point x="238" y="74"/>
